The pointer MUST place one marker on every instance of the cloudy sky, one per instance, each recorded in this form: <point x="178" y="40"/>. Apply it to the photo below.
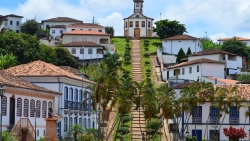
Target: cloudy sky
<point x="219" y="18"/>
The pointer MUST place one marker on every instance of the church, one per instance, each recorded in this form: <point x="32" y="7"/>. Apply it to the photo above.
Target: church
<point x="138" y="25"/>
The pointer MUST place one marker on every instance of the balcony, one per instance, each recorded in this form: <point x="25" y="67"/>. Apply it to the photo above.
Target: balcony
<point x="214" y="120"/>
<point x="233" y="120"/>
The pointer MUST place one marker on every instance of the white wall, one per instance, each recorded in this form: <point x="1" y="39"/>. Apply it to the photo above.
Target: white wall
<point x="212" y="69"/>
<point x="94" y="54"/>
<point x="173" y="46"/>
<point x="80" y="38"/>
<point x="215" y="57"/>
<point x="57" y="32"/>
<point x="14" y="26"/>
<point x="43" y="25"/>
<point x="102" y="29"/>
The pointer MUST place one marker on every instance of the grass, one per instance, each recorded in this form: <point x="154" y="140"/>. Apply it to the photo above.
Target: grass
<point x="126" y="137"/>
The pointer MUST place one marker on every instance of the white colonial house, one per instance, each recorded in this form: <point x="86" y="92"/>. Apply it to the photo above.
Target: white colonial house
<point x="233" y="62"/>
<point x="244" y="40"/>
<point x="46" y="24"/>
<point x="68" y="107"/>
<point x="56" y="31"/>
<point x="211" y="128"/>
<point x="85" y="26"/>
<point x="89" y="52"/>
<point x="22" y="104"/>
<point x="138" y="25"/>
<point x="12" y="22"/>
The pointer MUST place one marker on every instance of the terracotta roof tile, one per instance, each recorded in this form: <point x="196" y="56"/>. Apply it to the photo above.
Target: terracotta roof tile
<point x="61" y="19"/>
<point x="85" y="25"/>
<point x="70" y="69"/>
<point x="202" y="60"/>
<point x="237" y="38"/>
<point x="85" y="32"/>
<point x="11" y="80"/>
<point x="243" y="90"/>
<point x="226" y="81"/>
<point x="181" y="86"/>
<point x="41" y="69"/>
<point x="81" y="44"/>
<point x="180" y="37"/>
<point x="210" y="51"/>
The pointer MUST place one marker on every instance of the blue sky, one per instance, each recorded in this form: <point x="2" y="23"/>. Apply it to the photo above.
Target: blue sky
<point x="220" y="18"/>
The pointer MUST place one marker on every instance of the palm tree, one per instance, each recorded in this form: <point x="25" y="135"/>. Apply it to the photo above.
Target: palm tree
<point x="247" y="112"/>
<point x="75" y="130"/>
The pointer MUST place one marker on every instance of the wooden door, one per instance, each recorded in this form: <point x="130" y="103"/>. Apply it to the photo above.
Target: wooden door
<point x="137" y="32"/>
<point x="149" y="33"/>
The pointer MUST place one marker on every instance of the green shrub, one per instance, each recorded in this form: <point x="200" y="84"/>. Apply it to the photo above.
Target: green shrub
<point x="243" y="77"/>
<point x="123" y="130"/>
<point x="6" y="136"/>
<point x="126" y="119"/>
<point x="153" y="125"/>
<point x="86" y="137"/>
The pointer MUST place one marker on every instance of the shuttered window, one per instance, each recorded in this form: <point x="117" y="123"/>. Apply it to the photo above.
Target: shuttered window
<point x="26" y="108"/>
<point x="19" y="107"/>
<point x="44" y="109"/>
<point x="38" y="106"/>
<point x="4" y="106"/>
<point x="50" y="104"/>
<point x="32" y="107"/>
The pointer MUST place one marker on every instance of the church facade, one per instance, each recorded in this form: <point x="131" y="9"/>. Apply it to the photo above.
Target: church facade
<point x="138" y="25"/>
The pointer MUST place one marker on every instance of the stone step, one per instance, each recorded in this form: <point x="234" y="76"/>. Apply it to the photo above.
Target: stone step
<point x="138" y="129"/>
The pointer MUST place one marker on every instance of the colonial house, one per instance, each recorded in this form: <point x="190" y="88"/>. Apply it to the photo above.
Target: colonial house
<point x="233" y="62"/>
<point x="46" y="24"/>
<point x="87" y="52"/>
<point x="69" y="106"/>
<point x="138" y="25"/>
<point x="12" y="22"/>
<point x="244" y="40"/>
<point x="56" y="31"/>
<point x="205" y="123"/>
<point x="22" y="104"/>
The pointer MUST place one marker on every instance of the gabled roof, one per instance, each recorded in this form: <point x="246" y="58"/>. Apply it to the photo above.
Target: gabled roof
<point x="41" y="69"/>
<point x="242" y="90"/>
<point x="181" y="86"/>
<point x="81" y="44"/>
<point x="138" y="14"/>
<point x="85" y="25"/>
<point x="180" y="37"/>
<point x="211" y="51"/>
<point x="237" y="38"/>
<point x="10" y="15"/>
<point x="197" y="61"/>
<point x="70" y="69"/>
<point x="61" y="19"/>
<point x="57" y="26"/>
<point x="85" y="32"/>
<point x="225" y="81"/>
<point x="11" y="80"/>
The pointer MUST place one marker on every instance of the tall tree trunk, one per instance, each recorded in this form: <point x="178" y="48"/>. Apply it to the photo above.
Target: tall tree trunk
<point x="165" y="130"/>
<point x="208" y="117"/>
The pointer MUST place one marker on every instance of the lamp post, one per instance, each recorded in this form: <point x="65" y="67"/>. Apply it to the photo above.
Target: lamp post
<point x="35" y="110"/>
<point x="206" y="38"/>
<point x="1" y="94"/>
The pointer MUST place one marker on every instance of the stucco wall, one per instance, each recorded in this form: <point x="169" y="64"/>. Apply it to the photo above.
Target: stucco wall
<point x="79" y="38"/>
<point x="94" y="54"/>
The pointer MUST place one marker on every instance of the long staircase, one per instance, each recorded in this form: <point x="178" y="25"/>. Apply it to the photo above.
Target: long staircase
<point x="24" y="130"/>
<point x="136" y="61"/>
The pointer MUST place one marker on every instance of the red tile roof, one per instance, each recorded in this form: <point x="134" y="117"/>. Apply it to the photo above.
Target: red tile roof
<point x="242" y="90"/>
<point x="180" y="37"/>
<point x="61" y="19"/>
<point x="211" y="51"/>
<point x="86" y="32"/>
<point x="70" y="69"/>
<point x="225" y="81"/>
<point x="81" y="44"/>
<point x="181" y="86"/>
<point x="11" y="80"/>
<point x="57" y="26"/>
<point x="197" y="61"/>
<point x="41" y="69"/>
<point x="85" y="25"/>
<point x="237" y="38"/>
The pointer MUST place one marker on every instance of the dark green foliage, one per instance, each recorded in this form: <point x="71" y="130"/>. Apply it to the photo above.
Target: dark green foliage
<point x="127" y="40"/>
<point x="48" y="54"/>
<point x="243" y="77"/>
<point x="207" y="43"/>
<point x="148" y="70"/>
<point x="147" y="62"/>
<point x="236" y="47"/>
<point x="126" y="119"/>
<point x="146" y="55"/>
<point x="112" y="61"/>
<point x="127" y="62"/>
<point x="7" y="61"/>
<point x="166" y="28"/>
<point x="30" y="27"/>
<point x="110" y="30"/>
<point x="188" y="51"/>
<point x="64" y="57"/>
<point x="41" y="33"/>
<point x="181" y="54"/>
<point x="153" y="125"/>
<point x="123" y="130"/>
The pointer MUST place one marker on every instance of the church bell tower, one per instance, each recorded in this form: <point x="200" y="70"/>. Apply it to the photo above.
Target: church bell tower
<point x="138" y="5"/>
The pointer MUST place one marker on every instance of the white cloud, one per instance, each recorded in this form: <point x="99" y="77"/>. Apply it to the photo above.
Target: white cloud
<point x="217" y="36"/>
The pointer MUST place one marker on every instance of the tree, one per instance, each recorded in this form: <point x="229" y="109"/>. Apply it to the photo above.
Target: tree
<point x="236" y="47"/>
<point x="207" y="43"/>
<point x="7" y="61"/>
<point x="110" y="30"/>
<point x="64" y="57"/>
<point x="166" y="28"/>
<point x="48" y="54"/>
<point x="42" y="33"/>
<point x="188" y="51"/>
<point x="181" y="54"/>
<point x="30" y="27"/>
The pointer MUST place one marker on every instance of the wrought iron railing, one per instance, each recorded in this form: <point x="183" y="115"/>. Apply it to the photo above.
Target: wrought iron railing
<point x="197" y="119"/>
<point x="233" y="120"/>
<point x="214" y="120"/>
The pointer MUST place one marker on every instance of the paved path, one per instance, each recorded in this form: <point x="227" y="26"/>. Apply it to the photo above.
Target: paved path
<point x="136" y="61"/>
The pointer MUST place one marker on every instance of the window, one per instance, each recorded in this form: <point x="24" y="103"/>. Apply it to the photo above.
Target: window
<point x="43" y="132"/>
<point x="71" y="94"/>
<point x="89" y="123"/>
<point x="66" y="93"/>
<point x="32" y="107"/>
<point x="137" y="16"/>
<point x="198" y="68"/>
<point x="234" y="116"/>
<point x="73" y="29"/>
<point x="50" y="104"/>
<point x="81" y="51"/>
<point x="44" y="109"/>
<point x="75" y="120"/>
<point x="65" y="124"/>
<point x="17" y="23"/>
<point x="61" y="31"/>
<point x="90" y="51"/>
<point x="130" y="24"/>
<point x="190" y="70"/>
<point x="53" y="31"/>
<point x="70" y="121"/>
<point x="37" y="133"/>
<point x="4" y="106"/>
<point x="11" y="22"/>
<point x="183" y="71"/>
<point x="137" y="4"/>
<point x="19" y="107"/>
<point x="17" y="31"/>
<point x="214" y="115"/>
<point x="47" y="26"/>
<point x="84" y="123"/>
<point x="126" y="25"/>
<point x="148" y="24"/>
<point x="100" y="30"/>
<point x="143" y="24"/>
<point x="26" y="108"/>
<point x="73" y="51"/>
<point x="84" y="39"/>
<point x="94" y="40"/>
<point x="76" y="95"/>
<point x="80" y="121"/>
<point x="99" y="51"/>
<point x="137" y="24"/>
<point x="93" y="124"/>
<point x="80" y="92"/>
<point x="38" y="108"/>
<point x="197" y="114"/>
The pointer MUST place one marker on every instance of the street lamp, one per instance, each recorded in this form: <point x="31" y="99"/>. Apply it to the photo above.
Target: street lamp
<point x="1" y="94"/>
<point x="35" y="110"/>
